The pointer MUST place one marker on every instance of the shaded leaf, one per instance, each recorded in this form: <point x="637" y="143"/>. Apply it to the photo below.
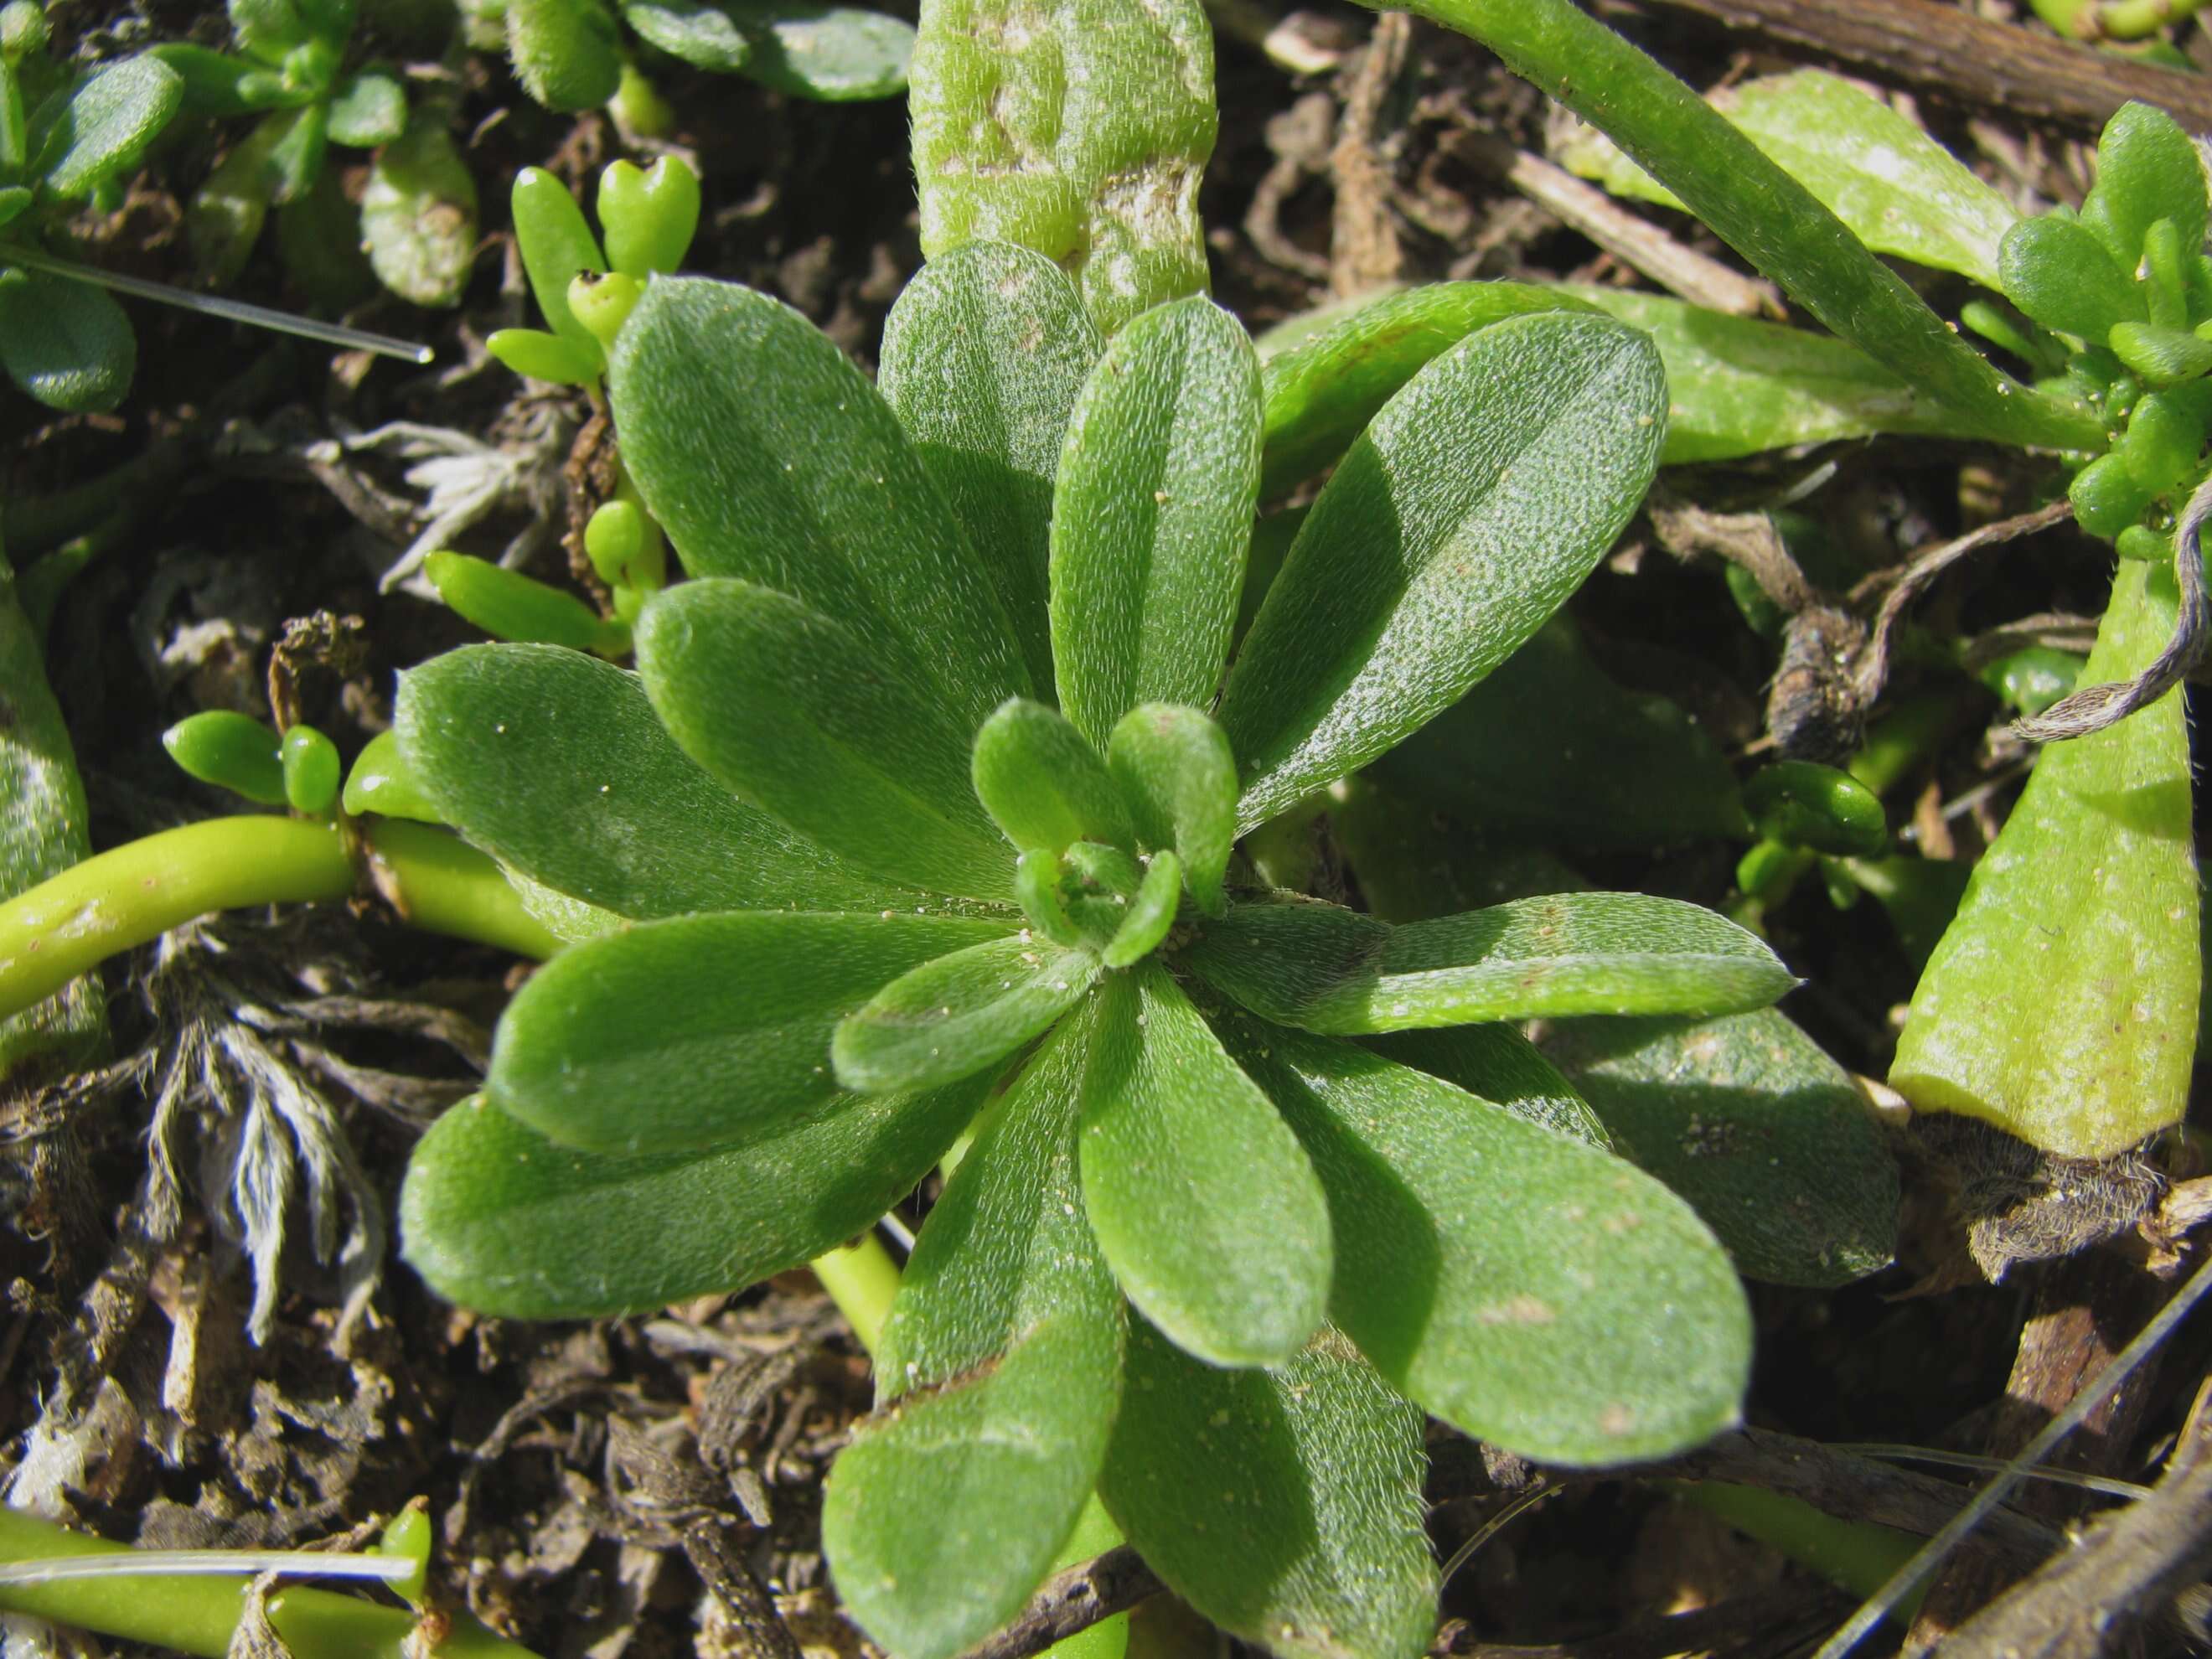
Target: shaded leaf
<point x="498" y="1218"/>
<point x="66" y="344"/>
<point x="564" y="51"/>
<point x="1200" y="1199"/>
<point x="1592" y="1319"/>
<point x="367" y="109"/>
<point x="1327" y="968"/>
<point x="1745" y="1117"/>
<point x="834" y="54"/>
<point x="983" y="354"/>
<point x="703" y="35"/>
<point x="959" y="1014"/>
<point x="1152" y="514"/>
<point x="1000" y="1371"/>
<point x="798" y="715"/>
<point x="1174" y="768"/>
<point x="1475" y="502"/>
<point x="418" y="214"/>
<point x="1284" y="1505"/>
<point x="554" y="762"/>
<point x="699" y="1030"/>
<point x="766" y="455"/>
<point x="1497" y="1063"/>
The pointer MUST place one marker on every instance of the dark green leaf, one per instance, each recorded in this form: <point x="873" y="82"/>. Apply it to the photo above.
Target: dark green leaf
<point x="1151" y="514"/>
<point x="701" y="34"/>
<point x="1475" y="503"/>
<point x="700" y="1030"/>
<point x="267" y="29"/>
<point x="1551" y="749"/>
<point x="564" y="51"/>
<point x="1807" y="805"/>
<point x="418" y="214"/>
<point x="554" y="762"/>
<point x="959" y="1014"/>
<point x="210" y="79"/>
<point x="1207" y="1209"/>
<point x="1501" y="1066"/>
<point x="2059" y="273"/>
<point x="66" y="344"/>
<point x="1589" y="1318"/>
<point x="83" y="139"/>
<point x="1043" y="784"/>
<point x="2147" y="170"/>
<point x="800" y="715"/>
<point x="1325" y="969"/>
<point x="1323" y="391"/>
<point x="766" y="455"/>
<point x="1000" y="1371"/>
<point x="835" y="54"/>
<point x="368" y="109"/>
<point x="983" y="355"/>
<point x="1747" y="1119"/>
<point x="1284" y="1504"/>
<point x="498" y="1218"/>
<point x="1176" y="771"/>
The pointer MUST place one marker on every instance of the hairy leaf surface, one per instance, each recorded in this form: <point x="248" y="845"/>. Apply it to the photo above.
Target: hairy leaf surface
<point x="958" y="1014"/>
<point x="1043" y="784"/>
<point x="1174" y="768"/>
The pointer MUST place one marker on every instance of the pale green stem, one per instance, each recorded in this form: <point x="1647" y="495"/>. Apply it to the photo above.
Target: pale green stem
<point x="198" y="1615"/>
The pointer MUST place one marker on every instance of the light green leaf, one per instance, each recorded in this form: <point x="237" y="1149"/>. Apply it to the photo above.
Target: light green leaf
<point x="1078" y="130"/>
<point x="367" y="109"/>
<point x="1503" y="1067"/>
<point x="2061" y="1005"/>
<point x="1896" y="189"/>
<point x="557" y="247"/>
<point x="954" y="1016"/>
<point x="701" y="1031"/>
<point x="1207" y="1211"/>
<point x="983" y="355"/>
<point x="66" y="344"/>
<point x="1174" y="769"/>
<point x="703" y="35"/>
<point x="554" y="762"/>
<point x="498" y="1218"/>
<point x="798" y="715"/>
<point x="1550" y="750"/>
<point x="766" y="455"/>
<point x="834" y="54"/>
<point x="418" y="214"/>
<point x="98" y="129"/>
<point x="999" y="1372"/>
<point x="1151" y="514"/>
<point x="1284" y="1504"/>
<point x="1738" y="385"/>
<point x="1745" y="1117"/>
<point x="1590" y="1318"/>
<point x="1151" y="913"/>
<point x="1323" y="390"/>
<point x="1324" y="969"/>
<point x="564" y="51"/>
<point x="1043" y="785"/>
<point x="2146" y="169"/>
<point x="1474" y="504"/>
<point x="2061" y="273"/>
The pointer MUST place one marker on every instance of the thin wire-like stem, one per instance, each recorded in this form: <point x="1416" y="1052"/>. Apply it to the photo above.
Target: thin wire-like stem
<point x="2103" y="1484"/>
<point x="144" y="1563"/>
<point x="1490" y="1529"/>
<point x="209" y="305"/>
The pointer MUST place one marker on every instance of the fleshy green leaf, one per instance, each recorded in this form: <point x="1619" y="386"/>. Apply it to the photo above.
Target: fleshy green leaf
<point x="543" y="357"/>
<point x="1284" y="1504"/>
<point x="554" y="762"/>
<point x="1327" y="968"/>
<point x="1745" y="1118"/>
<point x="1738" y="385"/>
<point x="1897" y="189"/>
<point x="1176" y="771"/>
<point x="1473" y="504"/>
<point x="700" y="1030"/>
<point x="2061" y="1005"/>
<point x="367" y="109"/>
<point x="1000" y="1370"/>
<point x="66" y="344"/>
<point x="1201" y="1200"/>
<point x="509" y="606"/>
<point x="564" y="51"/>
<point x="1151" y="913"/>
<point x="767" y="456"/>
<point x="1151" y="515"/>
<point x="1551" y="749"/>
<point x="2146" y="169"/>
<point x="1043" y="785"/>
<point x="2059" y="273"/>
<point x="983" y="355"/>
<point x="498" y="1218"/>
<point x="1079" y="131"/>
<point x="650" y="216"/>
<point x="557" y="247"/>
<point x="701" y="34"/>
<point x="959" y="1014"/>
<point x="99" y="128"/>
<point x="834" y="54"/>
<point x="1497" y="1063"/>
<point x="418" y="214"/>
<point x="1592" y="1319"/>
<point x="211" y="80"/>
<point x="799" y="715"/>
<point x="1323" y="391"/>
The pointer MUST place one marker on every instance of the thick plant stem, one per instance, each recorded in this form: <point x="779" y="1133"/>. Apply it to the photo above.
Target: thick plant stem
<point x="199" y="1615"/>
<point x="69" y="924"/>
<point x="1756" y="209"/>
